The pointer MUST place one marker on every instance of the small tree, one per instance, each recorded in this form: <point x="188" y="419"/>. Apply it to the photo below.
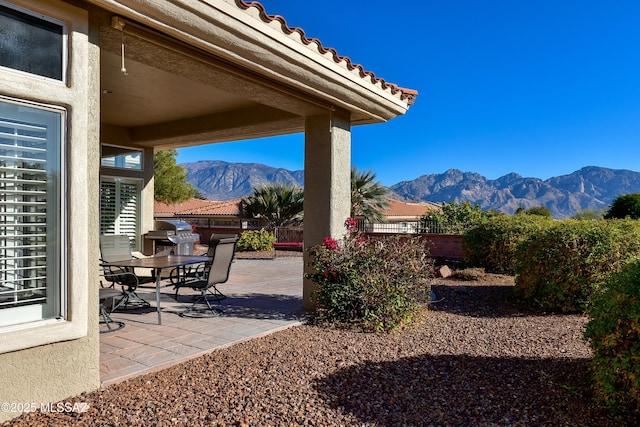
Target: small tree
<point x="589" y="214"/>
<point x="279" y="204"/>
<point x="535" y="210"/>
<point x="454" y="217"/>
<point x="540" y="211"/>
<point x="170" y="179"/>
<point x="627" y="205"/>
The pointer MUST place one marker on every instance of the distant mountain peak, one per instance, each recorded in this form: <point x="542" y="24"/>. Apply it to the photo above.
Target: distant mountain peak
<point x="591" y="187"/>
<point x="219" y="180"/>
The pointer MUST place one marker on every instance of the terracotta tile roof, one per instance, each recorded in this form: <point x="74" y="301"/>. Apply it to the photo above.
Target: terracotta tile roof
<point x="172" y="208"/>
<point x="199" y="207"/>
<point x="228" y="207"/>
<point x="404" y="209"/>
<point x="405" y="94"/>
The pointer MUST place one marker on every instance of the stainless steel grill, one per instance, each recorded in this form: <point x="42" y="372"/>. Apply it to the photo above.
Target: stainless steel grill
<point x="171" y="237"/>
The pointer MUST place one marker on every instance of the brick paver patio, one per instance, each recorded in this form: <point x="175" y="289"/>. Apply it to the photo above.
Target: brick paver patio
<point x="263" y="296"/>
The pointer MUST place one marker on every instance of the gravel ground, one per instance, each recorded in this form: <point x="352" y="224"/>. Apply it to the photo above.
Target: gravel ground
<point x="474" y="359"/>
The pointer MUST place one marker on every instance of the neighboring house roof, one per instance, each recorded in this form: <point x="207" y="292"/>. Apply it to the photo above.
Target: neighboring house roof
<point x="299" y="35"/>
<point x="398" y="210"/>
<point x="198" y="207"/>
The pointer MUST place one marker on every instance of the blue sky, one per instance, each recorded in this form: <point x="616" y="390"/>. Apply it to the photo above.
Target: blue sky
<point x="537" y="87"/>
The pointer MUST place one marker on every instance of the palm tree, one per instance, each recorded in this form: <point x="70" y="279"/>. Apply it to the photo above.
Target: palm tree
<point x="368" y="197"/>
<point x="280" y="204"/>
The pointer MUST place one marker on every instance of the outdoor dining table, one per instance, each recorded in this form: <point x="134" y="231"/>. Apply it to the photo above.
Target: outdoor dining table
<point x="159" y="263"/>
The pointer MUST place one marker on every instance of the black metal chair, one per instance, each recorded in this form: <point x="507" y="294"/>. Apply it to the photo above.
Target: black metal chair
<point x="105" y="318"/>
<point x="222" y="250"/>
<point x="192" y="272"/>
<point x="117" y="248"/>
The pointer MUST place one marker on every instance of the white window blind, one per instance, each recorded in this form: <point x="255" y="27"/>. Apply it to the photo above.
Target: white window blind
<point x="30" y="213"/>
<point x="120" y="208"/>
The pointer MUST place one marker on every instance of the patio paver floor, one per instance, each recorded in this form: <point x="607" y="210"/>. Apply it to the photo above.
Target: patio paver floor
<point x="263" y="296"/>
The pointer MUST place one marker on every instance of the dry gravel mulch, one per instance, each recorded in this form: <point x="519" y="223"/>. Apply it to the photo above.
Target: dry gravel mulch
<point x="474" y="359"/>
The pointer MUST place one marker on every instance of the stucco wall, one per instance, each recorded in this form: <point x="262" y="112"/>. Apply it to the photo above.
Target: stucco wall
<point x="327" y="183"/>
<point x="69" y="365"/>
<point x="445" y="246"/>
<point x="441" y="246"/>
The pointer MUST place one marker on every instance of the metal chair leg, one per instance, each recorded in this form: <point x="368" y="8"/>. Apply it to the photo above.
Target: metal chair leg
<point x="197" y="309"/>
<point x="133" y="299"/>
<point x="108" y="321"/>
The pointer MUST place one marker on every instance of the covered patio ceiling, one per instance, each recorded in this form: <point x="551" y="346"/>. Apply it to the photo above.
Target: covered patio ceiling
<point x="181" y="89"/>
<point x="174" y="96"/>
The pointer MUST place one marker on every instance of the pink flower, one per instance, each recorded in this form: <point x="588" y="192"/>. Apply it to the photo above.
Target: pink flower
<point x="330" y="243"/>
<point x="351" y="225"/>
<point x="330" y="273"/>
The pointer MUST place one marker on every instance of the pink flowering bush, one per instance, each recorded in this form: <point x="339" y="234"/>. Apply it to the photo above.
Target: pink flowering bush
<point x="372" y="284"/>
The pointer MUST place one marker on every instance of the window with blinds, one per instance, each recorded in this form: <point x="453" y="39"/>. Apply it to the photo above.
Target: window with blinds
<point x="31" y="212"/>
<point x="120" y="208"/>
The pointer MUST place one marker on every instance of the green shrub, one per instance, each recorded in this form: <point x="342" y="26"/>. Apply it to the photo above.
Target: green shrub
<point x="540" y="211"/>
<point x="256" y="240"/>
<point x="559" y="266"/>
<point x="613" y="332"/>
<point x="374" y="285"/>
<point x="626" y="205"/>
<point x="492" y="243"/>
<point x="452" y="218"/>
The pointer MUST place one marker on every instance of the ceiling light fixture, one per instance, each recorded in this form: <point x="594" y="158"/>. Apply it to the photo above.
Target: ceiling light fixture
<point x="119" y="24"/>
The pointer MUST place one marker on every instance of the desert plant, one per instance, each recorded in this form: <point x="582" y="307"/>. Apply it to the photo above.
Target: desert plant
<point x="279" y="204"/>
<point x="368" y="197"/>
<point x="256" y="240"/>
<point x="374" y="285"/>
<point x="613" y="332"/>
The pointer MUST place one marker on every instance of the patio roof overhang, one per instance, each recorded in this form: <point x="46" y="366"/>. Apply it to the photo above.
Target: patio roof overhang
<point x="203" y="71"/>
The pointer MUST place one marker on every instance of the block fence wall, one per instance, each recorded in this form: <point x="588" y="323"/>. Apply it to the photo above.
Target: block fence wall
<point x="441" y="246"/>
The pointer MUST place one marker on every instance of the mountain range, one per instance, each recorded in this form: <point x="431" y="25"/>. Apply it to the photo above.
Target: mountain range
<point x="591" y="187"/>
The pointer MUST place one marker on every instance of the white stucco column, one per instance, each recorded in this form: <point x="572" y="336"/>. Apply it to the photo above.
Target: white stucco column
<point x="327" y="182"/>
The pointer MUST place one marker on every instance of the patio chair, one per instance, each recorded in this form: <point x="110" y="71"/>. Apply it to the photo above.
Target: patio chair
<point x="105" y="318"/>
<point x="197" y="271"/>
<point x="117" y="248"/>
<point x="216" y="272"/>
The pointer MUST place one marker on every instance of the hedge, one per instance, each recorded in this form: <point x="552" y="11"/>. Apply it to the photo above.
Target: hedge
<point x="613" y="331"/>
<point x="560" y="265"/>
<point x="492" y="243"/>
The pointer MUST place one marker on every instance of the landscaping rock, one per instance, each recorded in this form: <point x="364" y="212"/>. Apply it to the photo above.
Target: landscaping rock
<point x="473" y="359"/>
<point x="443" y="271"/>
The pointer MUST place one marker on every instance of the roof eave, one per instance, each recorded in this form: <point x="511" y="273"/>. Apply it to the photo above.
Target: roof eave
<point x="244" y="35"/>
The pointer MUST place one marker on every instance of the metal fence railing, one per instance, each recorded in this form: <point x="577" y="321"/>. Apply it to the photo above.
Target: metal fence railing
<point x="412" y="227"/>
